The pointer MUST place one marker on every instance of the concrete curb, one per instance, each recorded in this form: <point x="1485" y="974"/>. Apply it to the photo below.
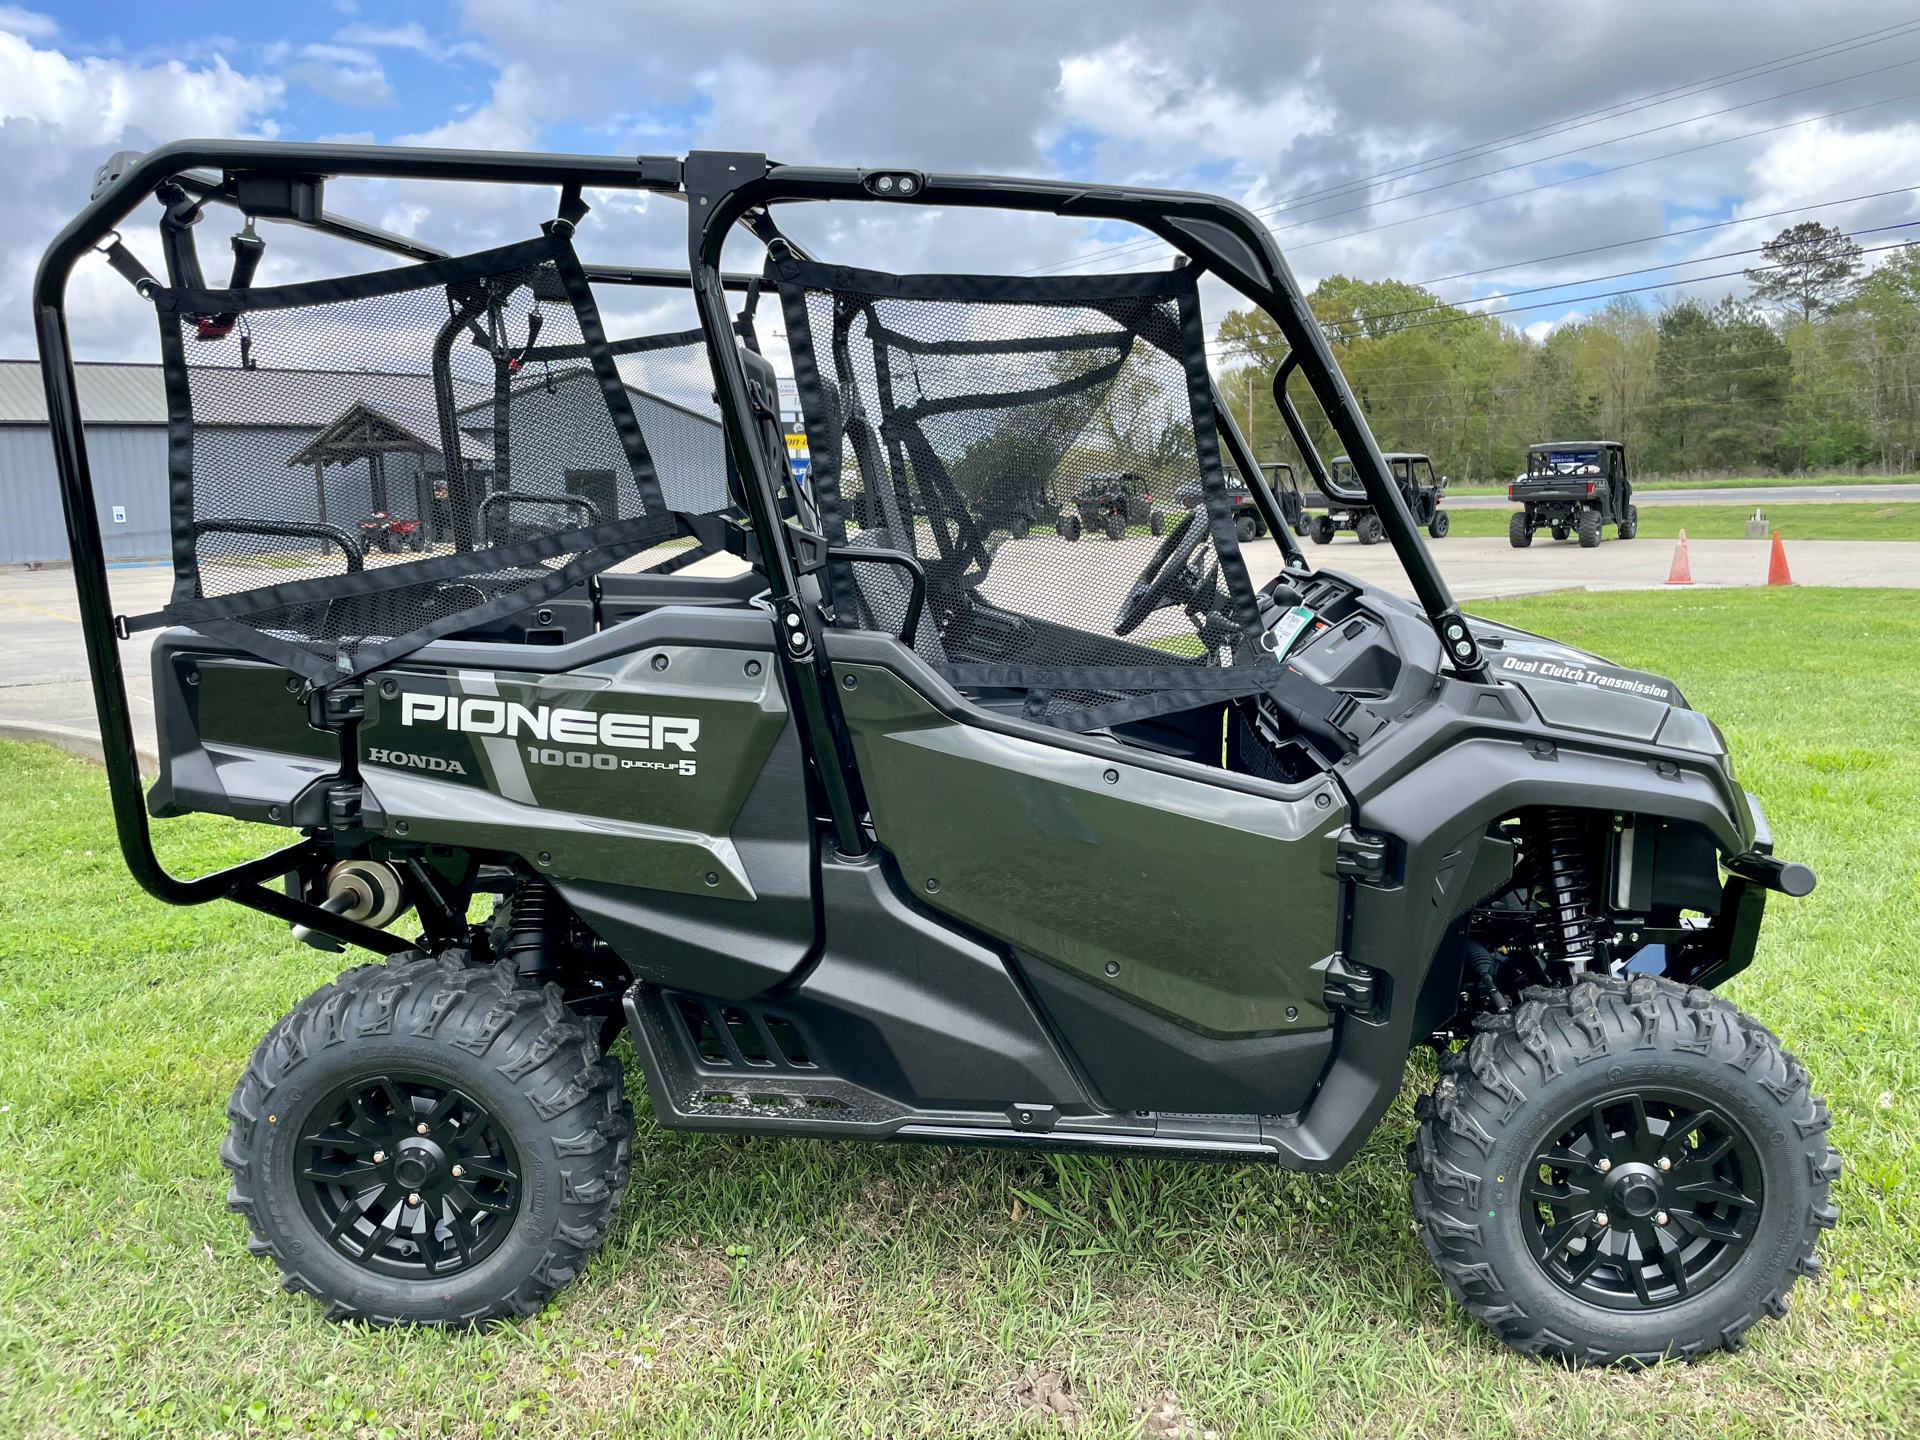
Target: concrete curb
<point x="84" y="743"/>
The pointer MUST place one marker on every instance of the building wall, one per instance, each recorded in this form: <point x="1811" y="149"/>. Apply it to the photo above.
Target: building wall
<point x="129" y="465"/>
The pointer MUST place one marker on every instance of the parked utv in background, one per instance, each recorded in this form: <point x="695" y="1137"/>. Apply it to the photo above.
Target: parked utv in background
<point x="815" y="811"/>
<point x="1248" y="522"/>
<point x="1573" y="487"/>
<point x="1342" y="502"/>
<point x="1109" y="504"/>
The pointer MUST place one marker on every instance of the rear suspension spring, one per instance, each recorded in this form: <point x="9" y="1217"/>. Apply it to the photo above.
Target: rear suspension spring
<point x="537" y="931"/>
<point x="1565" y="925"/>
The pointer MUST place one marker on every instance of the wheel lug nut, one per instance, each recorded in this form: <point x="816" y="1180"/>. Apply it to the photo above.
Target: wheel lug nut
<point x="1659" y="1217"/>
<point x="414" y="1199"/>
<point x="458" y="1172"/>
<point x="1603" y="1164"/>
<point x="1665" y="1163"/>
<point x="379" y="1157"/>
<point x="421" y="1128"/>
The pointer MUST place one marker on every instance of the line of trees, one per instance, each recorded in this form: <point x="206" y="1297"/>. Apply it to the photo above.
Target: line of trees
<point x="1819" y="370"/>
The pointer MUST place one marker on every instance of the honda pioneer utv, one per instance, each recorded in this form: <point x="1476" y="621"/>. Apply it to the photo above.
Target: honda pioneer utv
<point x="811" y="811"/>
<point x="1573" y="487"/>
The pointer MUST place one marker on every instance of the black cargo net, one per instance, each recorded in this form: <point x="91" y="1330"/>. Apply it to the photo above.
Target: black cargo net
<point x="1047" y="450"/>
<point x="362" y="465"/>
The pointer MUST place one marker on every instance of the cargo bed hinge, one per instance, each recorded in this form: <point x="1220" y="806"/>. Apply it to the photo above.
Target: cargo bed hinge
<point x="1349" y="985"/>
<point x="1365" y="858"/>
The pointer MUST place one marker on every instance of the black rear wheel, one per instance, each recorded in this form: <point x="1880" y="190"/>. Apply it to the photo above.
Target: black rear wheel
<point x="1623" y="1171"/>
<point x="1116" y="527"/>
<point x="1587" y="527"/>
<point x="1322" y="530"/>
<point x="1369" y="529"/>
<point x="428" y="1142"/>
<point x="1247" y="529"/>
<point x="1519" y="530"/>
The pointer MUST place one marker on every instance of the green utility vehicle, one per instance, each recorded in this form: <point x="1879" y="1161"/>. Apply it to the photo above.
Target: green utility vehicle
<point x="894" y="831"/>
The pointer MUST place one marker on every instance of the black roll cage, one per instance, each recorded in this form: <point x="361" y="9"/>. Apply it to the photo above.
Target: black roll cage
<point x="282" y="181"/>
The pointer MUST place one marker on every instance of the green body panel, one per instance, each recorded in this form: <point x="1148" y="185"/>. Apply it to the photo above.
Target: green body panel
<point x="1213" y="903"/>
<point x="247" y="703"/>
<point x="628" y="771"/>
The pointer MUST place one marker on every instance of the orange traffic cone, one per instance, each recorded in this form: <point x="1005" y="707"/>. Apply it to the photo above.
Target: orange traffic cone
<point x="1680" y="573"/>
<point x="1777" y="563"/>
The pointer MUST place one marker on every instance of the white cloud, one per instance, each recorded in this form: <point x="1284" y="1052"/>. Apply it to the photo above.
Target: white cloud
<point x="16" y="21"/>
<point x="59" y="118"/>
<point x="411" y="36"/>
<point x="1126" y="92"/>
<point x="94" y="100"/>
<point x="351" y="76"/>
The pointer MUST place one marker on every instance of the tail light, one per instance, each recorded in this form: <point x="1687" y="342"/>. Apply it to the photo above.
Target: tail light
<point x="1589" y="487"/>
<point x="1509" y="492"/>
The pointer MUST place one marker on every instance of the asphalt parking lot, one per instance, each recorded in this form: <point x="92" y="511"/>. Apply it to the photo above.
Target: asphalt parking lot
<point x="46" y="692"/>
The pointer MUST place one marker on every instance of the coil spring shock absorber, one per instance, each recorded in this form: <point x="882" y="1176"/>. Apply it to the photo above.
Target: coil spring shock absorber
<point x="537" y="932"/>
<point x="1565" y="926"/>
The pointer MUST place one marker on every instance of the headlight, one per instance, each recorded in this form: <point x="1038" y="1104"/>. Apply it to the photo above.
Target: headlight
<point x="1690" y="730"/>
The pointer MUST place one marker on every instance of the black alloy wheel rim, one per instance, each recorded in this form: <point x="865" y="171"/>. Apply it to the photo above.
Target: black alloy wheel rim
<point x="407" y="1176"/>
<point x="1642" y="1200"/>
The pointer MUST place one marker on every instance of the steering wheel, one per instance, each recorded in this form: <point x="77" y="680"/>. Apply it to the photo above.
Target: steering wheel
<point x="1170" y="577"/>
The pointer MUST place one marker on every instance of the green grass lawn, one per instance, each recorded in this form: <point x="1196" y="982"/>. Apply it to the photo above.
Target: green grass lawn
<point x="1758" y="481"/>
<point x="1840" y="521"/>
<point x="756" y="1287"/>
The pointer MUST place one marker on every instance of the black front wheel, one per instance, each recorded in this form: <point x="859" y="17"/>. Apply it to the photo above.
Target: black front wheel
<point x="1439" y="525"/>
<point x="1630" y="523"/>
<point x="428" y="1142"/>
<point x="1623" y="1171"/>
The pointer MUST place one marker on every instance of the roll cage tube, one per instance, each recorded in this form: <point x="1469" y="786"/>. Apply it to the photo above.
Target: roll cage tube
<point x="1316" y="467"/>
<point x="1249" y="469"/>
<point x="1216" y="233"/>
<point x="243" y="883"/>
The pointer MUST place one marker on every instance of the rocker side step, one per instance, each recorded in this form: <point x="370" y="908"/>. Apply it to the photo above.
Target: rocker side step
<point x="738" y="1065"/>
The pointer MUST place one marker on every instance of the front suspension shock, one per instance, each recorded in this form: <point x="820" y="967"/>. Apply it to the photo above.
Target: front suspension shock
<point x="1564" y="924"/>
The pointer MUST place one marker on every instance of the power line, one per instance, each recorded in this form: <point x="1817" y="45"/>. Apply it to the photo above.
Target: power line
<point x="1670" y="235"/>
<point x="1616" y="140"/>
<point x="1623" y="274"/>
<point x="1238" y="347"/>
<point x="1578" y="121"/>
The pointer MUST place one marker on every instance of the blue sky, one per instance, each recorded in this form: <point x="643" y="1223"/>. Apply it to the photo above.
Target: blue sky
<point x="1339" y="121"/>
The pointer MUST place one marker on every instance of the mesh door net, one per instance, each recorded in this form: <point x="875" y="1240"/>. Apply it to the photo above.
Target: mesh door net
<point x="1001" y="430"/>
<point x="368" y="463"/>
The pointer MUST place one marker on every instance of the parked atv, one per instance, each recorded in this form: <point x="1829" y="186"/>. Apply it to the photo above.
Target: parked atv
<point x="1108" y="503"/>
<point x="801" y="820"/>
<point x="381" y="531"/>
<point x="1342" y="502"/>
<point x="1573" y="487"/>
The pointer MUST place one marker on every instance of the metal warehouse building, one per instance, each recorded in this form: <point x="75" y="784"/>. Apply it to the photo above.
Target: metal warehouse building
<point x="125" y="409"/>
